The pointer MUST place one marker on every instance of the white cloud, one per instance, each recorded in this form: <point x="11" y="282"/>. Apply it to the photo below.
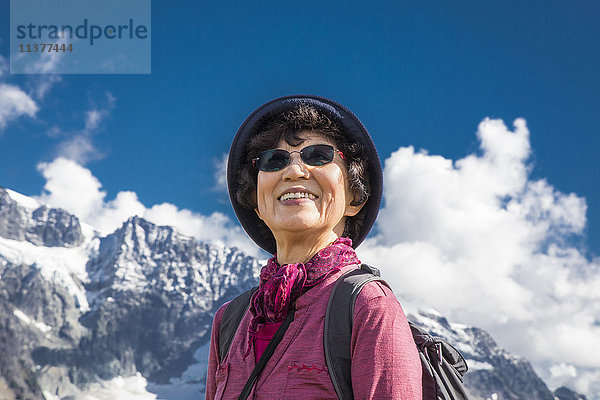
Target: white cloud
<point x="74" y="188"/>
<point x="215" y="228"/>
<point x="585" y="381"/>
<point x="46" y="62"/>
<point x="14" y="103"/>
<point x="111" y="100"/>
<point x="92" y="119"/>
<point x="3" y="66"/>
<point x="41" y="84"/>
<point x="484" y="243"/>
<point x="220" y="174"/>
<point x="80" y="147"/>
<point x="37" y="85"/>
<point x="563" y="369"/>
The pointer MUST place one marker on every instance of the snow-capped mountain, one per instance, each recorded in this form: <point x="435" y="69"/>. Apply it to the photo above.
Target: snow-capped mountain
<point x="128" y="315"/>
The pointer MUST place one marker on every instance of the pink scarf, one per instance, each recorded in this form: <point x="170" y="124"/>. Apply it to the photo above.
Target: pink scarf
<point x="280" y="286"/>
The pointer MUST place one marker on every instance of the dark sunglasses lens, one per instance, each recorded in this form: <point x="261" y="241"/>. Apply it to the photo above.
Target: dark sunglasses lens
<point x="273" y="160"/>
<point x="317" y="155"/>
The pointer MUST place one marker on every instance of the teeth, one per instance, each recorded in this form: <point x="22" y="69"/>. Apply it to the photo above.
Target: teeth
<point x="297" y="195"/>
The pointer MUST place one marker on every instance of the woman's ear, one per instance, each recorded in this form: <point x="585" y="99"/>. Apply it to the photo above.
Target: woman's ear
<point x="352" y="210"/>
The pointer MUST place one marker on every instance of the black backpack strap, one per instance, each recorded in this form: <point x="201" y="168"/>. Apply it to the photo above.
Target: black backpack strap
<point x="260" y="365"/>
<point x="338" y="326"/>
<point x="232" y="316"/>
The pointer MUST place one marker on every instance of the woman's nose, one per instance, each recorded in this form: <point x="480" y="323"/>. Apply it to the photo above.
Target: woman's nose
<point x="296" y="169"/>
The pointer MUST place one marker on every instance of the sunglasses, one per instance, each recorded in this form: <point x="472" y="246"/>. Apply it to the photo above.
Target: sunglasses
<point x="277" y="159"/>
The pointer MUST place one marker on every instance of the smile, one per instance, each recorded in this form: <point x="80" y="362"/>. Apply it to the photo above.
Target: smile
<point x="297" y="195"/>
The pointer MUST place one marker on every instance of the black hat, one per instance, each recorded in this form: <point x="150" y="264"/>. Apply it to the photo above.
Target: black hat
<point x="350" y="126"/>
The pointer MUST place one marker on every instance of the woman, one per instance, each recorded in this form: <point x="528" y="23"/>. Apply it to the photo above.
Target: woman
<point x="305" y="182"/>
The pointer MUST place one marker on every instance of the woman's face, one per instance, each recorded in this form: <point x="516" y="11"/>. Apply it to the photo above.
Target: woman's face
<point x="326" y="194"/>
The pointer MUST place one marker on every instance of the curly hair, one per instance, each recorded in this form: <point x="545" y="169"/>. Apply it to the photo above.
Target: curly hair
<point x="288" y="126"/>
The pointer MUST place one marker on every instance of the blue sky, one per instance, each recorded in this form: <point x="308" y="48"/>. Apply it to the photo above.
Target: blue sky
<point x="416" y="73"/>
<point x="421" y="74"/>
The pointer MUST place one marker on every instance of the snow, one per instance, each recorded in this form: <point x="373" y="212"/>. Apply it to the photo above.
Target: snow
<point x="23" y="317"/>
<point x="130" y="276"/>
<point x="119" y="388"/>
<point x="88" y="231"/>
<point x="478" y="365"/>
<point x="49" y="396"/>
<point x="24" y="201"/>
<point x="62" y="265"/>
<point x="191" y="384"/>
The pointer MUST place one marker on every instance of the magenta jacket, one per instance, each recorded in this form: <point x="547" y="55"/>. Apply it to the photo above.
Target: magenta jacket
<point x="385" y="361"/>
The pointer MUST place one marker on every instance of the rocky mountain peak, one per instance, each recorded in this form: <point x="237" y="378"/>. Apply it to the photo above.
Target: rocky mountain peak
<point x="564" y="393"/>
<point x="43" y="226"/>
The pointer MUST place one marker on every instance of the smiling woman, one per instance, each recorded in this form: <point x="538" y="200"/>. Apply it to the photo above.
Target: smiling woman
<point x="305" y="182"/>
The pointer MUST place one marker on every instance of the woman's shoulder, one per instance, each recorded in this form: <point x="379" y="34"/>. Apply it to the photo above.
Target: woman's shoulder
<point x="376" y="295"/>
<point x="222" y="309"/>
<point x="376" y="289"/>
<point x="219" y="314"/>
<point x="238" y="305"/>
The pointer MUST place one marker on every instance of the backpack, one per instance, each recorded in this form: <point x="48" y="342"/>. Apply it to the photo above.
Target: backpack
<point x="443" y="366"/>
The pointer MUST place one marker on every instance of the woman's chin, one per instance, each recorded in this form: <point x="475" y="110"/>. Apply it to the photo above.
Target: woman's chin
<point x="298" y="225"/>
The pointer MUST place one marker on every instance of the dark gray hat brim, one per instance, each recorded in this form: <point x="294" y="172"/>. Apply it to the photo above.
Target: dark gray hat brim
<point x="351" y="127"/>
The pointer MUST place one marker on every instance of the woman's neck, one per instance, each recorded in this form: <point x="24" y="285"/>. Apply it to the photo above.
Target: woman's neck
<point x="295" y="249"/>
